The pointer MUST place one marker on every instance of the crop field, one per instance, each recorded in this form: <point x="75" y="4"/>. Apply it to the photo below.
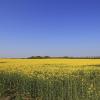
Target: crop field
<point x="49" y="79"/>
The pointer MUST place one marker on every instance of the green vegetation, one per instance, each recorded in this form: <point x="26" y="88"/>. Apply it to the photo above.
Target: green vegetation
<point x="80" y="83"/>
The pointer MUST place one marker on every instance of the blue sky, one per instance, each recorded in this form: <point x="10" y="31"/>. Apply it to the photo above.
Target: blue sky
<point x="49" y="27"/>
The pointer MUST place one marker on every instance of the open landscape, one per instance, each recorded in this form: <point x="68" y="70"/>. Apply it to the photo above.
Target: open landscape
<point x="49" y="49"/>
<point x="50" y="79"/>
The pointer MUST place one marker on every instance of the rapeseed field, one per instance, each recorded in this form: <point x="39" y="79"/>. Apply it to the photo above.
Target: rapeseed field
<point x="50" y="79"/>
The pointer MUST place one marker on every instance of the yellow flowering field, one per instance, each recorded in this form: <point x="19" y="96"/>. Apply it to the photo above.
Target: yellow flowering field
<point x="51" y="79"/>
<point x="31" y="65"/>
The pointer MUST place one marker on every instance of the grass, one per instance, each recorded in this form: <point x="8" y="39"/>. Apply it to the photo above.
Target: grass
<point x="50" y="79"/>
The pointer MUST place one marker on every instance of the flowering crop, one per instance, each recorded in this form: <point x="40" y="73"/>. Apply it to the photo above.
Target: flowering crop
<point x="51" y="79"/>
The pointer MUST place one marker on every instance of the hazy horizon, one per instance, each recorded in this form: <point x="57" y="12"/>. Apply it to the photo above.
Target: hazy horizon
<point x="49" y="28"/>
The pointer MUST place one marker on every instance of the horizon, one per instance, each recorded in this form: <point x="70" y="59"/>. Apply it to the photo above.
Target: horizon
<point x="53" y="28"/>
<point x="55" y="57"/>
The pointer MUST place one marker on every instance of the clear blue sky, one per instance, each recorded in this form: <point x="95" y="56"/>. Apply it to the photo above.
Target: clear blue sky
<point x="49" y="27"/>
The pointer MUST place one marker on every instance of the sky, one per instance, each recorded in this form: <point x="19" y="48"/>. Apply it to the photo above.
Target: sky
<point x="49" y="27"/>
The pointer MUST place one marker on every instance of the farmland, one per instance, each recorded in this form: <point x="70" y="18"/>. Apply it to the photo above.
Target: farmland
<point x="50" y="79"/>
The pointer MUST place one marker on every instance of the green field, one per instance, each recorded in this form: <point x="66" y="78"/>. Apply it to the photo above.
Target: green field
<point x="50" y="79"/>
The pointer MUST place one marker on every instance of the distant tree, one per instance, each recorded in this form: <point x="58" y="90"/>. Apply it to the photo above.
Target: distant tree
<point x="46" y="56"/>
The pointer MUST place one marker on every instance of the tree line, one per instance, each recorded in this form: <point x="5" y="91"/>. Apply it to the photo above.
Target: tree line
<point x="63" y="57"/>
